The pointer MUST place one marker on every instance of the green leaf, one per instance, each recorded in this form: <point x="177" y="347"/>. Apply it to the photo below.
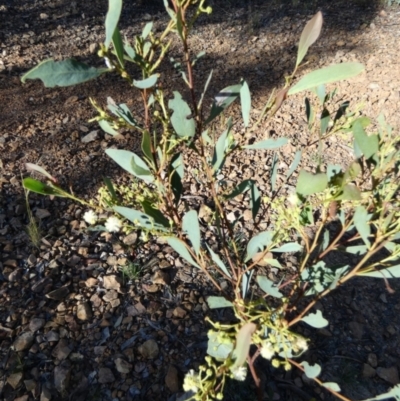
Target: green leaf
<point x="315" y="320"/>
<point x="240" y="189"/>
<point x="176" y="172"/>
<point x="110" y="188"/>
<point x="392" y="393"/>
<point x="219" y="152"/>
<point x="309" y="35"/>
<point x="112" y="18"/>
<point x="118" y="46"/>
<point x="146" y="83"/>
<point x="139" y="218"/>
<point x="274" y="171"/>
<point x="289" y="247"/>
<point x="147" y="29"/>
<point x="246" y="279"/>
<point x="390" y="272"/>
<point x="332" y="386"/>
<point x="62" y="73"/>
<point x="223" y="100"/>
<point x="130" y="51"/>
<point x="295" y="163"/>
<point x="311" y="371"/>
<point x="127" y="160"/>
<point x="310" y="114"/>
<point x="321" y="93"/>
<point x="357" y="249"/>
<point x="218" y="302"/>
<point x="349" y="192"/>
<point x="218" y="261"/>
<point x="324" y="123"/>
<point x="155" y="214"/>
<point x="190" y="225"/>
<point x="122" y="111"/>
<point x="332" y="73"/>
<point x="40" y="188"/>
<point x="369" y="144"/>
<point x="361" y="219"/>
<point x="269" y="287"/>
<point x="255" y="200"/>
<point x="146" y="146"/>
<point x="205" y="89"/>
<point x="217" y="349"/>
<point x="243" y="342"/>
<point x="106" y="127"/>
<point x="181" y="248"/>
<point x="268" y="144"/>
<point x="258" y="243"/>
<point x="309" y="183"/>
<point x="183" y="124"/>
<point x="245" y="100"/>
<point x="40" y="170"/>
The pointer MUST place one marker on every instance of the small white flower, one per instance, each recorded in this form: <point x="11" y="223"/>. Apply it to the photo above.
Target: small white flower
<point x="108" y="63"/>
<point x="90" y="217"/>
<point x="267" y="350"/>
<point x="301" y="344"/>
<point x="113" y="224"/>
<point x="293" y="199"/>
<point x="240" y="373"/>
<point x="191" y="381"/>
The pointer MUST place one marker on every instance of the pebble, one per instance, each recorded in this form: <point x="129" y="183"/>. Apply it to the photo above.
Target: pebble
<point x="23" y="342"/>
<point x="36" y="324"/>
<point x="122" y="366"/>
<point x="391" y="374"/>
<point x="149" y="349"/>
<point x="171" y="379"/>
<point x="84" y="311"/>
<point x="106" y="376"/>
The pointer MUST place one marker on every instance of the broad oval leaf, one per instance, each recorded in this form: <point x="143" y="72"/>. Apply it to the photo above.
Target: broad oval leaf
<point x="106" y="127"/>
<point x="62" y="73"/>
<point x="124" y="159"/>
<point x="332" y="386"/>
<point x="139" y="218"/>
<point x="369" y="144"/>
<point x="243" y="342"/>
<point x="223" y="100"/>
<point x="361" y="219"/>
<point x="183" y="124"/>
<point x="309" y="35"/>
<point x="269" y="287"/>
<point x="217" y="260"/>
<point x="312" y="371"/>
<point x="217" y="349"/>
<point x="245" y="101"/>
<point x="390" y="272"/>
<point x="309" y="183"/>
<point x="289" y="247"/>
<point x="147" y="29"/>
<point x="315" y="320"/>
<point x="218" y="302"/>
<point x="268" y="144"/>
<point x="181" y="248"/>
<point x="190" y="225"/>
<point x="112" y="18"/>
<point x="155" y="214"/>
<point x="257" y="243"/>
<point x="146" y="83"/>
<point x="39" y="187"/>
<point x="332" y="73"/>
<point x="40" y="170"/>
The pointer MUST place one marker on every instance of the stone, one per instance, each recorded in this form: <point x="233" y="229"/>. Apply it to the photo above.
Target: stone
<point x="30" y="385"/>
<point x="52" y="336"/>
<point x="179" y="312"/>
<point x="90" y="137"/>
<point x="110" y="296"/>
<point x="14" y="380"/>
<point x="62" y="374"/>
<point x="45" y="395"/>
<point x="172" y="379"/>
<point x="42" y="213"/>
<point x="122" y="366"/>
<point x="136" y="310"/>
<point x="161" y="277"/>
<point x="23" y="398"/>
<point x="58" y="294"/>
<point x="391" y="374"/>
<point x="84" y="311"/>
<point x="36" y="324"/>
<point x="368" y="371"/>
<point x="43" y="16"/>
<point x="373" y="360"/>
<point x="95" y="300"/>
<point x="40" y="284"/>
<point x="23" y="342"/>
<point x="91" y="282"/>
<point x="106" y="376"/>
<point x="112" y="282"/>
<point x="357" y="329"/>
<point x="149" y="349"/>
<point x="62" y="350"/>
<point x="130" y="239"/>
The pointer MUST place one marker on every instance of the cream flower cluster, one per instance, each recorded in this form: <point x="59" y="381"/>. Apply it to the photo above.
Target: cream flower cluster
<point x="112" y="224"/>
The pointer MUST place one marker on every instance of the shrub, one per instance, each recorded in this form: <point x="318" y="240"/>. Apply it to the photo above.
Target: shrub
<point x="352" y="209"/>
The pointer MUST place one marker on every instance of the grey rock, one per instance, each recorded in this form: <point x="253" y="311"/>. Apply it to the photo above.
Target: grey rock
<point x="84" y="311"/>
<point x="391" y="374"/>
<point x="24" y="341"/>
<point x="172" y="379"/>
<point x="62" y="374"/>
<point x="59" y="294"/>
<point x="106" y="375"/>
<point x="62" y="350"/>
<point x="122" y="366"/>
<point x="149" y="349"/>
<point x="36" y="324"/>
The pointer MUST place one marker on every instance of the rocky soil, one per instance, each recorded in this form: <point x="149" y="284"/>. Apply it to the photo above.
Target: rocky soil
<point x="72" y="325"/>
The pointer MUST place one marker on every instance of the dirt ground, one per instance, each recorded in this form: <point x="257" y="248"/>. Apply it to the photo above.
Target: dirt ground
<point x="72" y="326"/>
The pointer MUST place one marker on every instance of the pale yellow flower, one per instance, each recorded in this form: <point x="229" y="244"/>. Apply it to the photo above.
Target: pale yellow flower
<point x="90" y="217"/>
<point x="113" y="224"/>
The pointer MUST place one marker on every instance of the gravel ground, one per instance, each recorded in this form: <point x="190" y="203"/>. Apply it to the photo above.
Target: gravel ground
<point x="72" y="325"/>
